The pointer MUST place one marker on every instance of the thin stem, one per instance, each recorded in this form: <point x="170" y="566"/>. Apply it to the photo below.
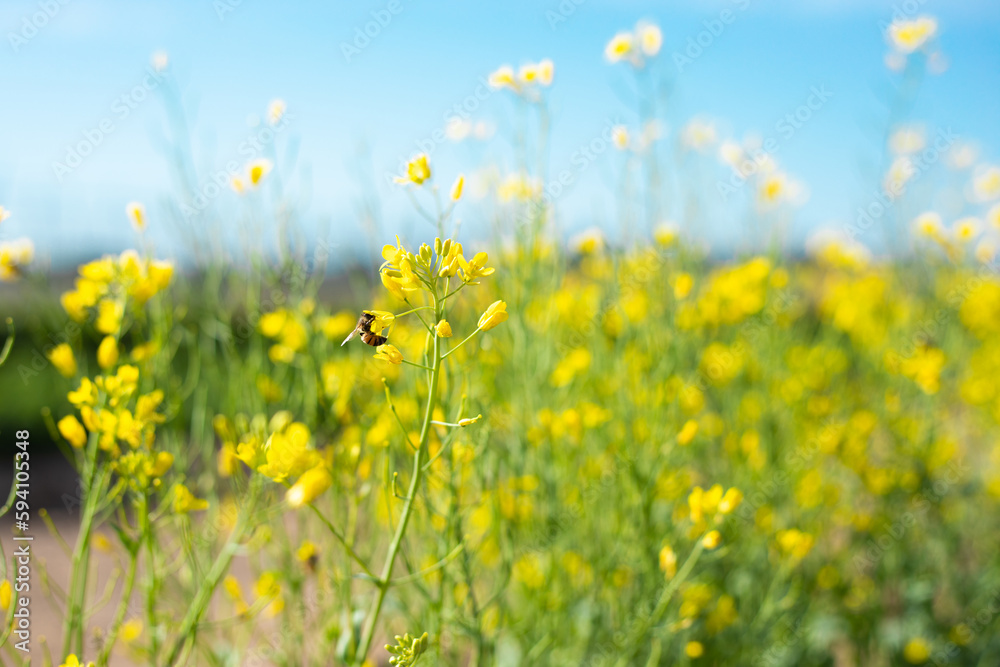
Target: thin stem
<point x="462" y="343"/>
<point x="340" y="538"/>
<point x="368" y="633"/>
<point x="411" y="363"/>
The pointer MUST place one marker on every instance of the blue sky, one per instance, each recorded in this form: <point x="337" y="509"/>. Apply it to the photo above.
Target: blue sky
<point x="229" y="58"/>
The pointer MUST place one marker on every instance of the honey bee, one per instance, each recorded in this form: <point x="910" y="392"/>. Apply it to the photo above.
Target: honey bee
<point x="364" y="329"/>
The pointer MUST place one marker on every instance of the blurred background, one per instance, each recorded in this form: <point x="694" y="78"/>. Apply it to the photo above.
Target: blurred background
<point x="94" y="92"/>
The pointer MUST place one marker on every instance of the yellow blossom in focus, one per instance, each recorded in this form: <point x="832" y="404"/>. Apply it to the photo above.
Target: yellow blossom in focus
<point x="73" y="661"/>
<point x="389" y="353"/>
<point x="443" y="329"/>
<point x="494" y="315"/>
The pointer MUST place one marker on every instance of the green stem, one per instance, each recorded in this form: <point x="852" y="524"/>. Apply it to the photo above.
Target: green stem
<point x="385" y="582"/>
<point x="73" y="626"/>
<point x="116" y="624"/>
<point x="189" y="626"/>
<point x="661" y="607"/>
<point x="470" y="337"/>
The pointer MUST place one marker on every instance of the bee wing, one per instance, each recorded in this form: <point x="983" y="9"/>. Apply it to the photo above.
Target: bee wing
<point x="349" y="337"/>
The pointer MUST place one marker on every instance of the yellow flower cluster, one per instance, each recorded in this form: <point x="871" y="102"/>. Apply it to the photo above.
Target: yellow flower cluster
<point x="108" y="285"/>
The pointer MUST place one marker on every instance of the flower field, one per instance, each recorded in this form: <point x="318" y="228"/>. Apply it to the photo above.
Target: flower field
<point x="504" y="449"/>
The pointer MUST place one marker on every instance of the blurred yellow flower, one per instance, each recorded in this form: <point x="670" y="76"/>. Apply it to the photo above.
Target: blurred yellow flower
<point x="916" y="651"/>
<point x="185" y="501"/>
<point x="687" y="432"/>
<point x="258" y="170"/>
<point x="14" y="258"/>
<point x="456" y="188"/>
<point x="503" y="77"/>
<point x="136" y="214"/>
<point x="909" y="35"/>
<point x="63" y="360"/>
<point x="694" y="649"/>
<point x="107" y="352"/>
<point x="987" y="184"/>
<point x="73" y="431"/>
<point x="650" y="38"/>
<point x="418" y="170"/>
<point x="308" y="487"/>
<point x="276" y="111"/>
<point x="668" y="562"/>
<point x="620" y="47"/>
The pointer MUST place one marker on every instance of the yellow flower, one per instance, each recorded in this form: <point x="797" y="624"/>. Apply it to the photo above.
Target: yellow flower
<point x="307" y="551"/>
<point x="665" y="234"/>
<point x="683" y="283"/>
<point x="916" y="651"/>
<point x="276" y="111"/>
<point x="528" y="73"/>
<point x="268" y="587"/>
<point x="309" y="487"/>
<point x="966" y="229"/>
<point x="185" y="501"/>
<point x="503" y="77"/>
<point x="418" y="170"/>
<point x="668" y="562"/>
<point x="619" y="137"/>
<point x="62" y="358"/>
<point x="443" y="329"/>
<point x="694" y="649"/>
<point x="136" y="213"/>
<point x="475" y="268"/>
<point x="258" y="169"/>
<point x="389" y="353"/>
<point x="73" y="431"/>
<point x="712" y="539"/>
<point x="494" y="315"/>
<point x="73" y="661"/>
<point x="620" y="47"/>
<point x="650" y="38"/>
<point x="469" y="421"/>
<point x="987" y="184"/>
<point x="730" y="501"/>
<point x="909" y="35"/>
<point x="107" y="352"/>
<point x="14" y="257"/>
<point x="456" y="189"/>
<point x="688" y="431"/>
<point x="131" y="630"/>
<point x="5" y="595"/>
<point x="546" y="72"/>
<point x="382" y="320"/>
